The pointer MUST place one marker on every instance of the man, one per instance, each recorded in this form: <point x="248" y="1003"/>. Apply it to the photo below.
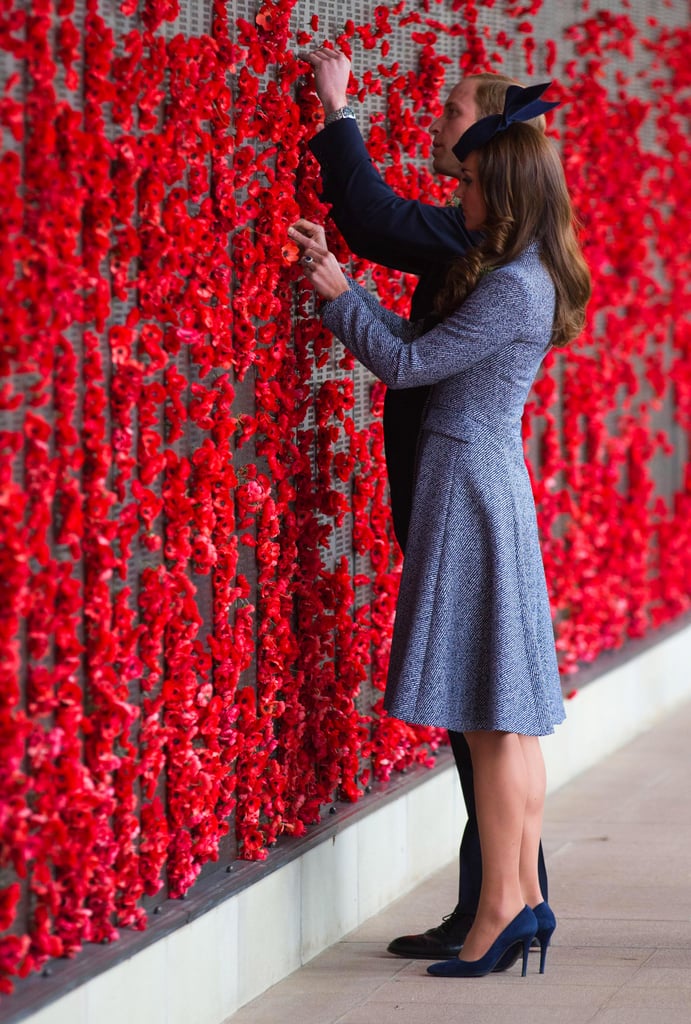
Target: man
<point x="420" y="239"/>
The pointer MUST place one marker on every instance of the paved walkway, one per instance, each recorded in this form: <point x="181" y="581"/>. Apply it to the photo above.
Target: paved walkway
<point x="618" y="846"/>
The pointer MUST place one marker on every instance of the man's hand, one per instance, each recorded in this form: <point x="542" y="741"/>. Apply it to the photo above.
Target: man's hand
<point x="331" y="75"/>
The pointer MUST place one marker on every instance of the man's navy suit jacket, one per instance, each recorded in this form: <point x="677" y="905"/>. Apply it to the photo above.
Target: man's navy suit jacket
<point x="404" y="234"/>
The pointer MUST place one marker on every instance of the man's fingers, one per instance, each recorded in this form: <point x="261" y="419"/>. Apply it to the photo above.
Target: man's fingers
<point x="326" y="53"/>
<point x="321" y="54"/>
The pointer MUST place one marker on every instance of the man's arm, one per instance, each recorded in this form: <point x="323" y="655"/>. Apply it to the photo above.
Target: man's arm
<point x="377" y="224"/>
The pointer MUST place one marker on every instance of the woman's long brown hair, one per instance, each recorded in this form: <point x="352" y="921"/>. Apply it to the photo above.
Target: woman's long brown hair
<point x="522" y="180"/>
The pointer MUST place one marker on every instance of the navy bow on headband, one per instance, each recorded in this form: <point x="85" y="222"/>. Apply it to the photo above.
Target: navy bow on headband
<point x="519" y="105"/>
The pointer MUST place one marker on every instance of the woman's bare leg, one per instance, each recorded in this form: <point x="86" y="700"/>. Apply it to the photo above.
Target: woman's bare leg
<point x="532" y="826"/>
<point x="501" y="795"/>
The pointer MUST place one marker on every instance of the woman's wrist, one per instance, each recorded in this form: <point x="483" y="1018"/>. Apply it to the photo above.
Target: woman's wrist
<point x="335" y="293"/>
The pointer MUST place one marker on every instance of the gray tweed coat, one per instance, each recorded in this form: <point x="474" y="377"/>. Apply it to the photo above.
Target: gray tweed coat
<point x="473" y="644"/>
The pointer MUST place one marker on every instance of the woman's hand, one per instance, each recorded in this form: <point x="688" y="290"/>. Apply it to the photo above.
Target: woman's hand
<point x="319" y="266"/>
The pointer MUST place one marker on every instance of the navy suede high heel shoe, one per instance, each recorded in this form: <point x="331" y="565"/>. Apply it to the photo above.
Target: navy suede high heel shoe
<point x="521" y="931"/>
<point x="546" y="923"/>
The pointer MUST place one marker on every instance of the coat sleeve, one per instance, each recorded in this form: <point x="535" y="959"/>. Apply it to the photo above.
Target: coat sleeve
<point x="489" y="319"/>
<point x="397" y="325"/>
<point x="378" y="224"/>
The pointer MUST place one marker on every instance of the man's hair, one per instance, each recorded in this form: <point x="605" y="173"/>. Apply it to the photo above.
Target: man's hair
<point x="490" y="93"/>
<point x="524" y="188"/>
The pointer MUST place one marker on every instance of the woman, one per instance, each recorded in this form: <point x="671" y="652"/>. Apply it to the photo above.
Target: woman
<point x="473" y="646"/>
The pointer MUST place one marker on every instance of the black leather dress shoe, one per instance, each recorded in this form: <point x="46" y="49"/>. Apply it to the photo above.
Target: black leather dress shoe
<point x="438" y="943"/>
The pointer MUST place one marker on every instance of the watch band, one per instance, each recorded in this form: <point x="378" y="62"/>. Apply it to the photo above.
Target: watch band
<point x="338" y="115"/>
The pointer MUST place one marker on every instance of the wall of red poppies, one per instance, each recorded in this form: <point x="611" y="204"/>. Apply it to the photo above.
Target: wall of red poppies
<point x="197" y="570"/>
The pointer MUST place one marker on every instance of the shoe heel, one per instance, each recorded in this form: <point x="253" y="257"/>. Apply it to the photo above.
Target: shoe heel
<point x="526" y="951"/>
<point x="546" y="923"/>
<point x="544" y="946"/>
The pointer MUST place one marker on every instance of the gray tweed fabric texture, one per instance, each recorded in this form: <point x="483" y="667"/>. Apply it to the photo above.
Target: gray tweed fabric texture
<point x="473" y="643"/>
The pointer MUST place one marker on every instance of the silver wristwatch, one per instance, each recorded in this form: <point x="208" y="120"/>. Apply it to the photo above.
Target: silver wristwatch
<point x="338" y="115"/>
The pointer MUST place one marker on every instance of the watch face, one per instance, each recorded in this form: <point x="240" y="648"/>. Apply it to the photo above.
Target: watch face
<point x="339" y="115"/>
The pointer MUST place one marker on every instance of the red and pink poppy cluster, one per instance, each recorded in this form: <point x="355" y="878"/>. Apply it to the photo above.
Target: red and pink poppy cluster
<point x="180" y="652"/>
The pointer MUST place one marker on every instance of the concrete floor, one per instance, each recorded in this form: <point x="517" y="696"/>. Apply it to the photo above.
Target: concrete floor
<point x="618" y="847"/>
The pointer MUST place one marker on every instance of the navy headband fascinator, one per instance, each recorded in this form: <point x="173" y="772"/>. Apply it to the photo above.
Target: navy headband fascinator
<point x="519" y="105"/>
